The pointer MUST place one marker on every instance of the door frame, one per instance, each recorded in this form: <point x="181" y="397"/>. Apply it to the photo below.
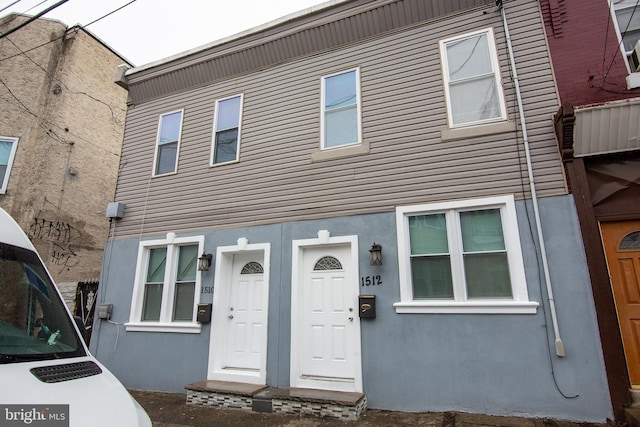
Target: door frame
<point x="221" y="293"/>
<point x="297" y="278"/>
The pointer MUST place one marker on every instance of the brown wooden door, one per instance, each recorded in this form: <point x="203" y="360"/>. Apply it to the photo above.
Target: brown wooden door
<point x="622" y="248"/>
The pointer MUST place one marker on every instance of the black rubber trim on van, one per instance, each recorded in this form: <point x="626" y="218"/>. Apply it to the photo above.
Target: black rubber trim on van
<point x="67" y="372"/>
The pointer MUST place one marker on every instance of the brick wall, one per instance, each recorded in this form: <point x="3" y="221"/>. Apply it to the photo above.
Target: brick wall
<point x="62" y="104"/>
<point x="588" y="64"/>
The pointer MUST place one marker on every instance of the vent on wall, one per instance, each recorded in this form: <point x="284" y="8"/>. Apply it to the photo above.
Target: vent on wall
<point x="115" y="210"/>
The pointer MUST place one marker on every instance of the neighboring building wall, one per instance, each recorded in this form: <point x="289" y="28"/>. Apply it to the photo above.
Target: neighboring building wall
<point x="590" y="70"/>
<point x="588" y="65"/>
<point x="62" y="104"/>
<point x="279" y="192"/>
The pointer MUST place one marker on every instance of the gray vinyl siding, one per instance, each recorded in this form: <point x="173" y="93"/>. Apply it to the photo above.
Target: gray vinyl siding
<point x="403" y="112"/>
<point x="320" y="31"/>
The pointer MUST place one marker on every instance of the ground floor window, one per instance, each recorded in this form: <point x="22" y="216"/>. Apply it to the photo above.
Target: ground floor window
<point x="462" y="256"/>
<point x="167" y="285"/>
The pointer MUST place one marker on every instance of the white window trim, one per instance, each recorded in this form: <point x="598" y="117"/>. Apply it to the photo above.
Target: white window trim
<point x="358" y="109"/>
<point x="164" y="324"/>
<point x="633" y="78"/>
<point x="155" y="154"/>
<point x="519" y="304"/>
<point x="14" y="146"/>
<point x="496" y="72"/>
<point x="215" y="123"/>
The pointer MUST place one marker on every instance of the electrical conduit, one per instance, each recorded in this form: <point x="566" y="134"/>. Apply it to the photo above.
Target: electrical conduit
<point x="532" y="185"/>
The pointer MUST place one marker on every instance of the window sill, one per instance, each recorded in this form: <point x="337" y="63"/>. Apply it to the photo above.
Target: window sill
<point x="467" y="307"/>
<point x="164" y="174"/>
<point x="230" y="162"/>
<point x="178" y="327"/>
<point x="336" y="153"/>
<point x="480" y="130"/>
<point x="633" y="80"/>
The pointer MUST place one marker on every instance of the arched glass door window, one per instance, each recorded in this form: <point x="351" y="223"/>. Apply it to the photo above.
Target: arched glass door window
<point x="327" y="263"/>
<point x="631" y="241"/>
<point x="252" y="268"/>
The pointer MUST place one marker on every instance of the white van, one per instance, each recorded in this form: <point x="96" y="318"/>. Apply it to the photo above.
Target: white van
<point x="48" y="376"/>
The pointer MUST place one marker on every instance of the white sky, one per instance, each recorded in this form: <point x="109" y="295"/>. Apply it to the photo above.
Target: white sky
<point x="150" y="30"/>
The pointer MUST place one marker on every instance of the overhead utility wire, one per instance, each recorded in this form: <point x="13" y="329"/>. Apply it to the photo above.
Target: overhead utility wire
<point x="606" y="41"/>
<point x="7" y="7"/>
<point x="46" y="126"/>
<point x="33" y="7"/>
<point x="52" y="78"/>
<point x="70" y="29"/>
<point x="33" y="18"/>
<point x="623" y="33"/>
<point x="22" y="52"/>
<point x="113" y="11"/>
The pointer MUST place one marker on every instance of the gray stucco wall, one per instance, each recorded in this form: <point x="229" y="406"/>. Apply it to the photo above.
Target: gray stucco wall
<point x="485" y="363"/>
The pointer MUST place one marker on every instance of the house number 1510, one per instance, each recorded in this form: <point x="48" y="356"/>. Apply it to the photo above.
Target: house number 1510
<point x="371" y="280"/>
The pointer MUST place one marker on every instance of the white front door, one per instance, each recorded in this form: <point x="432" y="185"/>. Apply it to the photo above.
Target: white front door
<point x="239" y="329"/>
<point x="245" y="318"/>
<point x="326" y="336"/>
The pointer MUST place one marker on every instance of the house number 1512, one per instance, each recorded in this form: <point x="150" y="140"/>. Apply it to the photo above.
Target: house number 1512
<point x="371" y="280"/>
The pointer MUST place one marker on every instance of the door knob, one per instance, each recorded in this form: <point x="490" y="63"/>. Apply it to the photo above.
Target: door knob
<point x="230" y="316"/>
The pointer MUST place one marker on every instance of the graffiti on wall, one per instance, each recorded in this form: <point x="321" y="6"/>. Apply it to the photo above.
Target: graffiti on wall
<point x="56" y="231"/>
<point x="62" y="235"/>
<point x="63" y="257"/>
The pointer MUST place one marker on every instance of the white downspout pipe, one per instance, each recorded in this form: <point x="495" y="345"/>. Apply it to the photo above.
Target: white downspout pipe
<point x="532" y="185"/>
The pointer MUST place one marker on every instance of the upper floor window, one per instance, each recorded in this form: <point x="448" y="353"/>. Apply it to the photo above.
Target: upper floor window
<point x="461" y="256"/>
<point x="226" y="130"/>
<point x="8" y="146"/>
<point x="627" y="13"/>
<point x="167" y="286"/>
<point x="341" y="109"/>
<point x="168" y="143"/>
<point x="472" y="79"/>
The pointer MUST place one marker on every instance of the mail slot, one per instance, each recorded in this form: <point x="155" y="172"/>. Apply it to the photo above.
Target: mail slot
<point x="204" y="313"/>
<point x="367" y="306"/>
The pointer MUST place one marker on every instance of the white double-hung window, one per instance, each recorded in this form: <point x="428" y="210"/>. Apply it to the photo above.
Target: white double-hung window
<point x="627" y="20"/>
<point x="167" y="285"/>
<point x="472" y="79"/>
<point x="168" y="143"/>
<point x="8" y="146"/>
<point x="341" y="109"/>
<point x="461" y="257"/>
<point x="226" y="130"/>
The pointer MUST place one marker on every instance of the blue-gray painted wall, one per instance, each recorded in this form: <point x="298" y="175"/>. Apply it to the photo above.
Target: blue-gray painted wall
<point x="501" y="364"/>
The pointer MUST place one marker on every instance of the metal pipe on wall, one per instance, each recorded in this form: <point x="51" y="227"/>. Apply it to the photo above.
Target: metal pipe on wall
<point x="534" y="198"/>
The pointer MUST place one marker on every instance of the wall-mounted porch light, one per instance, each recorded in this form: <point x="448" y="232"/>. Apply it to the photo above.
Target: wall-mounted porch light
<point x="375" y="254"/>
<point x="204" y="262"/>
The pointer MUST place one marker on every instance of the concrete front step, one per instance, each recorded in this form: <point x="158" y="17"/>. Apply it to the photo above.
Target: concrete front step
<point x="287" y="400"/>
<point x="320" y="403"/>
